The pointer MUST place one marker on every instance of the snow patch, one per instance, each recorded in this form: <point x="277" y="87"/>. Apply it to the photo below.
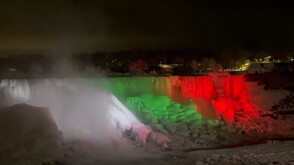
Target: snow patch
<point x="265" y="99"/>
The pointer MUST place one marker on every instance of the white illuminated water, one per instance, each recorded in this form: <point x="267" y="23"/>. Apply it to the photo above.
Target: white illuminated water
<point x="80" y="111"/>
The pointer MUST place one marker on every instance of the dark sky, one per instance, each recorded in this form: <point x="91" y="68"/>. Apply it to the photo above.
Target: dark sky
<point x="71" y="26"/>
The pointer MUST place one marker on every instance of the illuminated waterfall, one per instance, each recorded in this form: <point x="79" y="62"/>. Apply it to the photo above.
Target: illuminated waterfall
<point x="219" y="91"/>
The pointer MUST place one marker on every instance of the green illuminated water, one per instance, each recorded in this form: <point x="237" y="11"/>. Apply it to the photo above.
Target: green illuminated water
<point x="124" y="87"/>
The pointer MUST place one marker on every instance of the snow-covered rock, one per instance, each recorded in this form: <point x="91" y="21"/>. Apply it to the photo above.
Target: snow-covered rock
<point x="28" y="135"/>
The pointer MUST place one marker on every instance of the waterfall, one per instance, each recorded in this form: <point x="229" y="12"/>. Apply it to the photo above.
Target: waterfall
<point x="69" y="97"/>
<point x="14" y="91"/>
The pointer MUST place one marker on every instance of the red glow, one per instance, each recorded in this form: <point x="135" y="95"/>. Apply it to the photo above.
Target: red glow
<point x="236" y="86"/>
<point x="226" y="106"/>
<point x="227" y="93"/>
<point x="201" y="86"/>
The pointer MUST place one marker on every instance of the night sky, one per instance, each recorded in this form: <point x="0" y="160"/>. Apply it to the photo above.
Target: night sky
<point x="72" y="26"/>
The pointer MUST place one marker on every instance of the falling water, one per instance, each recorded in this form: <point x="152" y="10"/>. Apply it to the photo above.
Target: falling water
<point x="82" y="103"/>
<point x="79" y="110"/>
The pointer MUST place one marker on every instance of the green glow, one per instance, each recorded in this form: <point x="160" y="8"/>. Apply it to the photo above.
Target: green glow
<point x="148" y="98"/>
<point x="157" y="110"/>
<point x="124" y="87"/>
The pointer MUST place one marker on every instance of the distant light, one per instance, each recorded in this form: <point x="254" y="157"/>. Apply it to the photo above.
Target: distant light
<point x="164" y="66"/>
